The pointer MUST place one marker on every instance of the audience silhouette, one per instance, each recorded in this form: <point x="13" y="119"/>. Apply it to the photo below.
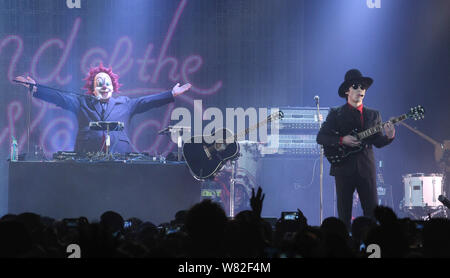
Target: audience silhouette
<point x="204" y="231"/>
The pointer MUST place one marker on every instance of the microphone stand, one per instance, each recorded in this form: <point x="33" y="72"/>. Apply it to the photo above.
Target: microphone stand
<point x="321" y="164"/>
<point x="232" y="183"/>
<point x="29" y="100"/>
<point x="170" y="130"/>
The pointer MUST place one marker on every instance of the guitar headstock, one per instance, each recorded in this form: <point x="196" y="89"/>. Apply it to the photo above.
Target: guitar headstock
<point x="276" y="116"/>
<point x="416" y="113"/>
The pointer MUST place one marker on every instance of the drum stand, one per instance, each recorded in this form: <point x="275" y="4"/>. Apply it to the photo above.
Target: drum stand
<point x="425" y="213"/>
<point x="175" y="132"/>
<point x="234" y="166"/>
<point x="437" y="211"/>
<point x="441" y="209"/>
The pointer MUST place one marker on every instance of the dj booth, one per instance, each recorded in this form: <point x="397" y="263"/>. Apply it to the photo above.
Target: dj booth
<point x="151" y="191"/>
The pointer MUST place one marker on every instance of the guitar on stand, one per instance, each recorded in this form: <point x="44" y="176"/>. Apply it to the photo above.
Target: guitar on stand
<point x="205" y="156"/>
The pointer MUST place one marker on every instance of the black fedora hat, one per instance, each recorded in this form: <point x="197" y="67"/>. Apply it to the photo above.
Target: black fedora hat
<point x="353" y="76"/>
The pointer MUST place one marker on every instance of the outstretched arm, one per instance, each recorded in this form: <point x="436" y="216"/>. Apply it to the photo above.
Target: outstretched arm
<point x="178" y="90"/>
<point x="65" y="101"/>
<point x="145" y="103"/>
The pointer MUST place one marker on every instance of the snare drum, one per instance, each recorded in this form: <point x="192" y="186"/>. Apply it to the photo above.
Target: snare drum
<point x="422" y="190"/>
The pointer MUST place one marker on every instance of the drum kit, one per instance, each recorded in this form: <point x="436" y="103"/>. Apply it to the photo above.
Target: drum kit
<point x="422" y="191"/>
<point x="421" y="195"/>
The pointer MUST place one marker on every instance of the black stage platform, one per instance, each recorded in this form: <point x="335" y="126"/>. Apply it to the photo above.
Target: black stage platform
<point x="151" y="191"/>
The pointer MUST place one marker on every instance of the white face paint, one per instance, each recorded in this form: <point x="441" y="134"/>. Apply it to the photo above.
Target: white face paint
<point x="103" y="87"/>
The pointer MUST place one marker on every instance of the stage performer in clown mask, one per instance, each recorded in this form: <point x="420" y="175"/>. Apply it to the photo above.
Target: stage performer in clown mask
<point x="101" y="83"/>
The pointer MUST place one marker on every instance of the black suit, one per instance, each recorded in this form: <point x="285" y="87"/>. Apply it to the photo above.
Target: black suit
<point x="358" y="171"/>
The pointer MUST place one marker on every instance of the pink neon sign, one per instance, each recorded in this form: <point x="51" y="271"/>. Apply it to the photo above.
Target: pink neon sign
<point x="122" y="61"/>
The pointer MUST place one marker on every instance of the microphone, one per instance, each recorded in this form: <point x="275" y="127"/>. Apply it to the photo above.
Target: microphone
<point x="164" y="131"/>
<point x="444" y="201"/>
<point x="26" y="83"/>
<point x="316" y="99"/>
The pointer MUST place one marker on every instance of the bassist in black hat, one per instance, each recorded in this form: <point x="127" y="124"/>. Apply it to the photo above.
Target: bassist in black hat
<point x="358" y="170"/>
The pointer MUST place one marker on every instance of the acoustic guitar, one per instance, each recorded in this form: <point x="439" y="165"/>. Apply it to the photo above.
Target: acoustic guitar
<point x="205" y="155"/>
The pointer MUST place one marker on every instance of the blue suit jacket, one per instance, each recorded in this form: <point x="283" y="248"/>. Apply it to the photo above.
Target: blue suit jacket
<point x="89" y="109"/>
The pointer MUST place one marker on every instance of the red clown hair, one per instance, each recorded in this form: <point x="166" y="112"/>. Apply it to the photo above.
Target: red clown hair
<point x="89" y="85"/>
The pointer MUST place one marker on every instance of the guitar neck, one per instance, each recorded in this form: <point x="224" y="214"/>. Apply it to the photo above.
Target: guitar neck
<point x="378" y="128"/>
<point x="426" y="137"/>
<point x="249" y="129"/>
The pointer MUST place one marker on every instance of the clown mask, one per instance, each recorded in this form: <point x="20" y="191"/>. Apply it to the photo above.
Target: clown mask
<point x="103" y="87"/>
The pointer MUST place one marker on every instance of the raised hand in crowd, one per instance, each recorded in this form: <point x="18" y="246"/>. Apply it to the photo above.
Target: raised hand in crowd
<point x="256" y="202"/>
